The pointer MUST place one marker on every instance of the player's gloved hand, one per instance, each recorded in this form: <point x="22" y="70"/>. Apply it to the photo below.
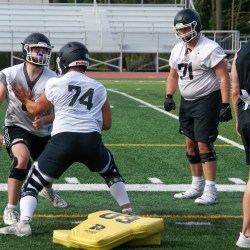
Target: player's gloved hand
<point x="225" y="112"/>
<point x="169" y="103"/>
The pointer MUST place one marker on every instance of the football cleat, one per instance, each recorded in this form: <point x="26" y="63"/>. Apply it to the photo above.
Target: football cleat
<point x="243" y="241"/>
<point x="191" y="193"/>
<point x="208" y="198"/>
<point x="18" y="229"/>
<point x="128" y="211"/>
<point x="10" y="216"/>
<point x="52" y="196"/>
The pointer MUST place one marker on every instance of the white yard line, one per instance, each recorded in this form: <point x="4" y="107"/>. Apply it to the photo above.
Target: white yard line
<point x="237" y="181"/>
<point x="72" y="180"/>
<point x="137" y="187"/>
<point x="154" y="180"/>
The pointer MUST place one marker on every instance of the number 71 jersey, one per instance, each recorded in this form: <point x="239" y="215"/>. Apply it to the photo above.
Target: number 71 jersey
<point x="77" y="101"/>
<point x="196" y="75"/>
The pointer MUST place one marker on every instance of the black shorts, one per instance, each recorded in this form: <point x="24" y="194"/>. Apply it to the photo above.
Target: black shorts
<point x="244" y="127"/>
<point x="67" y="148"/>
<point x="199" y="119"/>
<point x="35" y="144"/>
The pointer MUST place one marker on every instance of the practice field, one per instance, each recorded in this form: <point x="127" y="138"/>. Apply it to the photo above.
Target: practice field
<point x="150" y="154"/>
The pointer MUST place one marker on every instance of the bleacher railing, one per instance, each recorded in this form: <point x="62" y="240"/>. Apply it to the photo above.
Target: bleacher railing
<point x="156" y="43"/>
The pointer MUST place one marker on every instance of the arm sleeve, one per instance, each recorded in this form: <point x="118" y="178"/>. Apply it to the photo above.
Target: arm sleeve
<point x="214" y="57"/>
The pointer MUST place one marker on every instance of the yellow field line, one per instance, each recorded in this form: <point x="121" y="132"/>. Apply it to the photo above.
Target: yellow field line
<point x="217" y="216"/>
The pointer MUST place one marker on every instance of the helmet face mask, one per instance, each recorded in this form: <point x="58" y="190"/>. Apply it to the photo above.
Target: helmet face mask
<point x="70" y="55"/>
<point x="31" y="51"/>
<point x="184" y="19"/>
<point x="188" y="36"/>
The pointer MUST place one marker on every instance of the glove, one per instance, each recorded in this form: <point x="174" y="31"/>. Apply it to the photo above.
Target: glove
<point x="169" y="103"/>
<point x="225" y="113"/>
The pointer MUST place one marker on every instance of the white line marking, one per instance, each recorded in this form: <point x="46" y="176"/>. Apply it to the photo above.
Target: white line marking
<point x="137" y="187"/>
<point x="172" y="115"/>
<point x="155" y="180"/>
<point x="72" y="180"/>
<point x="237" y="181"/>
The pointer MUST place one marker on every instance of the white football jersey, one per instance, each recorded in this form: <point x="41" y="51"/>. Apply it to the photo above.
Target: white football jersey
<point x="77" y="101"/>
<point x="16" y="115"/>
<point x="196" y="76"/>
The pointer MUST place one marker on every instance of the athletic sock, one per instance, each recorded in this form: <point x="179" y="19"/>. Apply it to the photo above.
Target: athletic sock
<point x="119" y="192"/>
<point x="210" y="186"/>
<point x="11" y="206"/>
<point x="198" y="182"/>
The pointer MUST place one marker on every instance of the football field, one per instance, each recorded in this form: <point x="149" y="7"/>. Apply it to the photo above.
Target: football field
<point x="150" y="154"/>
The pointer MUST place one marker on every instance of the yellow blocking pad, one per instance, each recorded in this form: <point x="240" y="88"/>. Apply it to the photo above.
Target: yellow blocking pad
<point x="107" y="229"/>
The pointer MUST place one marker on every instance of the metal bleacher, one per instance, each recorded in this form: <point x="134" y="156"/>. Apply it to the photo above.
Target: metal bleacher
<point x="17" y="21"/>
<point x="145" y="29"/>
<point x="102" y="28"/>
<point x="111" y="29"/>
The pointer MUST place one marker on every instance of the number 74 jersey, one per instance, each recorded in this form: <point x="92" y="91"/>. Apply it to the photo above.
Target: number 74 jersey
<point x="77" y="101"/>
<point x="196" y="75"/>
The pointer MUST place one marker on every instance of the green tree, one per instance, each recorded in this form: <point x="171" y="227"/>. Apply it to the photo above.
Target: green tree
<point x="235" y="15"/>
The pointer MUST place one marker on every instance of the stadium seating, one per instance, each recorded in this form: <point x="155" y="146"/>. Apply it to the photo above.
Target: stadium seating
<point x="60" y="23"/>
<point x="113" y="29"/>
<point x="101" y="28"/>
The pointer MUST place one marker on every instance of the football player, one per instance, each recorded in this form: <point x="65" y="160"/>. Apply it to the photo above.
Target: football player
<point x="199" y="69"/>
<point x="26" y="135"/>
<point x="82" y="111"/>
<point x="241" y="99"/>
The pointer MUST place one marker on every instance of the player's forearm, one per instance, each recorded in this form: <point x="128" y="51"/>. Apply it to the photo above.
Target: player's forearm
<point x="48" y="119"/>
<point x="172" y="82"/>
<point x="32" y="107"/>
<point x="106" y="116"/>
<point x="171" y="87"/>
<point x="3" y="93"/>
<point x="225" y="90"/>
<point x="235" y="97"/>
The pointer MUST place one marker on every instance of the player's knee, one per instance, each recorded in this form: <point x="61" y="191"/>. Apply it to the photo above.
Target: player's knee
<point x="111" y="175"/>
<point x="18" y="173"/>
<point x="209" y="156"/>
<point x="194" y="158"/>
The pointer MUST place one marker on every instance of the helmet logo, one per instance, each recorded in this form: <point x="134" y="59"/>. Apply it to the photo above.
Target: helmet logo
<point x="179" y="25"/>
<point x="81" y="63"/>
<point x="42" y="44"/>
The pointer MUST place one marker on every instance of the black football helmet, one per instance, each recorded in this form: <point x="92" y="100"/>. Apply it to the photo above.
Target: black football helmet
<point x="72" y="54"/>
<point x="187" y="18"/>
<point x="36" y="40"/>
